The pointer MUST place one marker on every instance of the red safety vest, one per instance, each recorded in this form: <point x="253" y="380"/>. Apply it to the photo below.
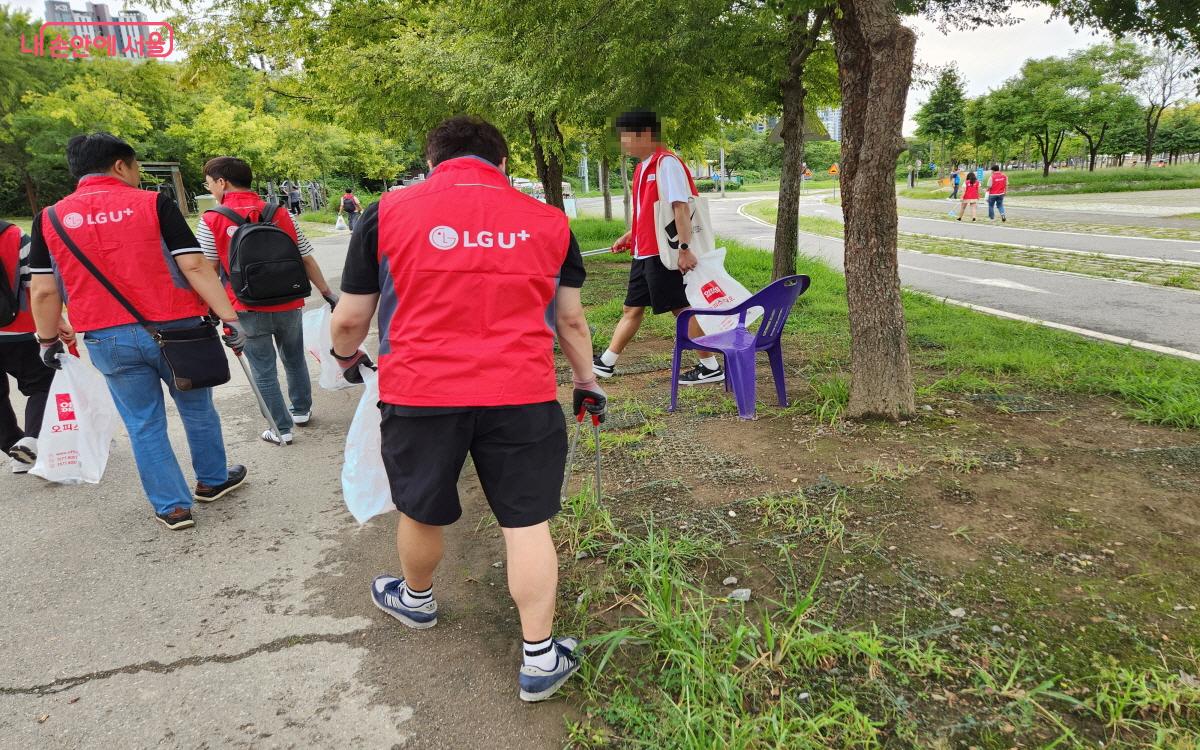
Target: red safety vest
<point x="469" y="268"/>
<point x="117" y="227"/>
<point x="245" y="202"/>
<point x="10" y="261"/>
<point x="645" y="185"/>
<point x="999" y="184"/>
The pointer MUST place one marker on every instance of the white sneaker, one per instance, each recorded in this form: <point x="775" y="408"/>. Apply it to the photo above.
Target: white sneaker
<point x="271" y="437"/>
<point x="24" y="451"/>
<point x="19" y="467"/>
<point x="302" y="418"/>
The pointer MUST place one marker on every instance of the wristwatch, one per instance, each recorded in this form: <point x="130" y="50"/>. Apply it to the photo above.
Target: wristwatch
<point x="683" y="246"/>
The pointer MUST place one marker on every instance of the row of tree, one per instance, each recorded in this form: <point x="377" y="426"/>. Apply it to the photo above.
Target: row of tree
<point x="1114" y="98"/>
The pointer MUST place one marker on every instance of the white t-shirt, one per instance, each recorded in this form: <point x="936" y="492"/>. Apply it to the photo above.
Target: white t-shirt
<point x="673" y="185"/>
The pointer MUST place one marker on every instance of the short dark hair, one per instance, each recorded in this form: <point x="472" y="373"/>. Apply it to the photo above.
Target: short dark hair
<point x="639" y="120"/>
<point x="995" y="167"/>
<point x="231" y="169"/>
<point x="465" y="135"/>
<point x="971" y="177"/>
<point x="96" y="153"/>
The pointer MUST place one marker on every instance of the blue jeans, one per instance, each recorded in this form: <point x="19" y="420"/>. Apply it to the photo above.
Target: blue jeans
<point x="996" y="201"/>
<point x="134" y="369"/>
<point x="265" y="330"/>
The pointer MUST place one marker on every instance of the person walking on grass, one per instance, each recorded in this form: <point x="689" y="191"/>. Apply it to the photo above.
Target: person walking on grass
<point x="471" y="279"/>
<point x="970" y="196"/>
<point x="659" y="176"/>
<point x="139" y="241"/>
<point x="997" y="187"/>
<point x="228" y="179"/>
<point x="20" y="356"/>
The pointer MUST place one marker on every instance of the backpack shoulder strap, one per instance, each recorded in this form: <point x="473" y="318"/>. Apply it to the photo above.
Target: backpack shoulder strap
<point x="268" y="212"/>
<point x="228" y="213"/>
<point x="4" y="225"/>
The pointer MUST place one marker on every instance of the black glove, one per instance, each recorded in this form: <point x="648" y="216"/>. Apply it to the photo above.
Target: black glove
<point x="351" y="366"/>
<point x="331" y="298"/>
<point x="50" y="354"/>
<point x="589" y="396"/>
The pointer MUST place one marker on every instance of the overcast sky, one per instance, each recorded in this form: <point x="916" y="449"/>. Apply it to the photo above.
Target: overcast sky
<point x="986" y="57"/>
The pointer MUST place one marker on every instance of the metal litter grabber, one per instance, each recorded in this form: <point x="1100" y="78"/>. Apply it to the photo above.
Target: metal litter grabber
<point x="596" y="490"/>
<point x="262" y="404"/>
<point x="601" y="251"/>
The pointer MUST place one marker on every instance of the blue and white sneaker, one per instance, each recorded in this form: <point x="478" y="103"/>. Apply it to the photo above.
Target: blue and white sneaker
<point x="385" y="592"/>
<point x="538" y="684"/>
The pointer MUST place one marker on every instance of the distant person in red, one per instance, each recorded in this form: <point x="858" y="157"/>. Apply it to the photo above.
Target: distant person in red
<point x="997" y="187"/>
<point x="351" y="207"/>
<point x="970" y="196"/>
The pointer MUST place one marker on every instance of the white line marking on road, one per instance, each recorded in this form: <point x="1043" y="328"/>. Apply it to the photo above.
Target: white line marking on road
<point x="1005" y="227"/>
<point x="1094" y="253"/>
<point x="1005" y="283"/>
<point x="1160" y="349"/>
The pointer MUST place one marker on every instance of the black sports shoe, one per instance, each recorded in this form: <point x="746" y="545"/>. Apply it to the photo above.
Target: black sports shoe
<point x="602" y="370"/>
<point x="701" y="374"/>
<point x="176" y="518"/>
<point x="206" y="494"/>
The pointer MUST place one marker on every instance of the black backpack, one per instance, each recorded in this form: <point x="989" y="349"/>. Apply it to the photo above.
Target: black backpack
<point x="10" y="303"/>
<point x="348" y="205"/>
<point x="265" y="266"/>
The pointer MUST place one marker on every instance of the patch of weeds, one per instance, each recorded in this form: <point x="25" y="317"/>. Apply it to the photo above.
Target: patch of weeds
<point x="1156" y="702"/>
<point x="797" y="514"/>
<point x="827" y="401"/>
<point x="881" y="471"/>
<point x="961" y="461"/>
<point x="584" y="527"/>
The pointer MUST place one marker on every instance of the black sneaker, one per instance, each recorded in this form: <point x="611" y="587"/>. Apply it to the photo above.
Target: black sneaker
<point x="602" y="370"/>
<point x="206" y="494"/>
<point x="177" y="518"/>
<point x="701" y="374"/>
<point x="1003" y="218"/>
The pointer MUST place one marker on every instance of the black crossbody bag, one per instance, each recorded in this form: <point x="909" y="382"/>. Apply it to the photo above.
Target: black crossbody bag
<point x="194" y="354"/>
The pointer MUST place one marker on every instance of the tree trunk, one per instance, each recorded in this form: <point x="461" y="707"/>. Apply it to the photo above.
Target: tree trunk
<point x="605" y="190"/>
<point x="626" y="204"/>
<point x="875" y="58"/>
<point x="787" y="221"/>
<point x="31" y="193"/>
<point x="548" y="161"/>
<point x="1151" y="130"/>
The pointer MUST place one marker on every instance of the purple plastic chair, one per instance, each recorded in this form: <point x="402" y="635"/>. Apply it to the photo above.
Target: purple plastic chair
<point x="739" y="345"/>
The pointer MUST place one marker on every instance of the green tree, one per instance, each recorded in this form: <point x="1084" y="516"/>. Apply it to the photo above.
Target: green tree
<point x="1097" y="83"/>
<point x="943" y="115"/>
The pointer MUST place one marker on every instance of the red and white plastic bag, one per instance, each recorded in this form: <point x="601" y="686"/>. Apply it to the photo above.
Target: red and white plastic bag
<point x="78" y="426"/>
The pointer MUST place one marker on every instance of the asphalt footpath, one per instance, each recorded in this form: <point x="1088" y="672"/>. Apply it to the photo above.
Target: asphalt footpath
<point x="255" y="628"/>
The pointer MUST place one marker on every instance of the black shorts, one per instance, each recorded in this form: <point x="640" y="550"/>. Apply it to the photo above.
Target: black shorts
<point x="519" y="452"/>
<point x="653" y="285"/>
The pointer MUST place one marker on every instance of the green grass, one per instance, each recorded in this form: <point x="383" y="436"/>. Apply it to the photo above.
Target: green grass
<point x="957" y="349"/>
<point x="1073" y="181"/>
<point x="24" y="222"/>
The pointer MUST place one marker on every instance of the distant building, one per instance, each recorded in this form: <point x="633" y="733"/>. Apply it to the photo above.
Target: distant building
<point x="126" y="37"/>
<point x="765" y="124"/>
<point x="832" y="120"/>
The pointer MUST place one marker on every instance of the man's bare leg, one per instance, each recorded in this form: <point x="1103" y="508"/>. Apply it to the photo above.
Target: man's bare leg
<point x="532" y="578"/>
<point x="420" y="547"/>
<point x="627" y="328"/>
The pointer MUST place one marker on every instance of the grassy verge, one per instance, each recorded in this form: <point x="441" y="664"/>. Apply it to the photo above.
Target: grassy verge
<point x="1073" y="181"/>
<point x="844" y="643"/>
<point x="957" y="349"/>
<point x="24" y="222"/>
<point x="1065" y="225"/>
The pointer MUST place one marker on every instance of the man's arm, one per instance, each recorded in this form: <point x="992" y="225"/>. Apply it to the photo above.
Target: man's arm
<point x="574" y="338"/>
<point x="683" y="225"/>
<point x="46" y="304"/>
<point x="202" y="277"/>
<point x="351" y="322"/>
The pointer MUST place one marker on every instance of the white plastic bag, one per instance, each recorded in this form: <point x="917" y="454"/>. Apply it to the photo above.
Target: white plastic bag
<point x="340" y="225"/>
<point x="78" y="426"/>
<point x="317" y="342"/>
<point x="364" y="480"/>
<point x="709" y="286"/>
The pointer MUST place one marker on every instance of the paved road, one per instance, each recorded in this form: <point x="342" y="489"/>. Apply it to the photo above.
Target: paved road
<point x="1150" y="208"/>
<point x="1154" y="315"/>
<point x="254" y="629"/>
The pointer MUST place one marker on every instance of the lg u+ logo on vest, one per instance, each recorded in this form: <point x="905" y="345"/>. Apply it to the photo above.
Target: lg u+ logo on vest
<point x="75" y="220"/>
<point x="447" y="238"/>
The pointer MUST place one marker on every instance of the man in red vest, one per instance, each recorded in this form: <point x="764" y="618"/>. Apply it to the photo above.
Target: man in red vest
<point x="660" y="176"/>
<point x="20" y="356"/>
<point x="467" y="272"/>
<point x="997" y="187"/>
<point x="141" y="243"/>
<point x="228" y="180"/>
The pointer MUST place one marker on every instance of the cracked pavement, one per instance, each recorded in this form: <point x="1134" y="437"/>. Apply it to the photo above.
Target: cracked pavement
<point x="255" y="629"/>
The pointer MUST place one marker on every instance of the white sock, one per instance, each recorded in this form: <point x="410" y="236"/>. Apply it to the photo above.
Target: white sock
<point x="541" y="654"/>
<point x="710" y="363"/>
<point x="608" y="358"/>
<point x="410" y="598"/>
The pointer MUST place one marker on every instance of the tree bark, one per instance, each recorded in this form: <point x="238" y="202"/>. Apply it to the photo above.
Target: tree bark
<point x="875" y="57"/>
<point x="626" y="204"/>
<point x="547" y="160"/>
<point x="1153" y="114"/>
<point x="804" y="31"/>
<point x="31" y="194"/>
<point x="605" y="190"/>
